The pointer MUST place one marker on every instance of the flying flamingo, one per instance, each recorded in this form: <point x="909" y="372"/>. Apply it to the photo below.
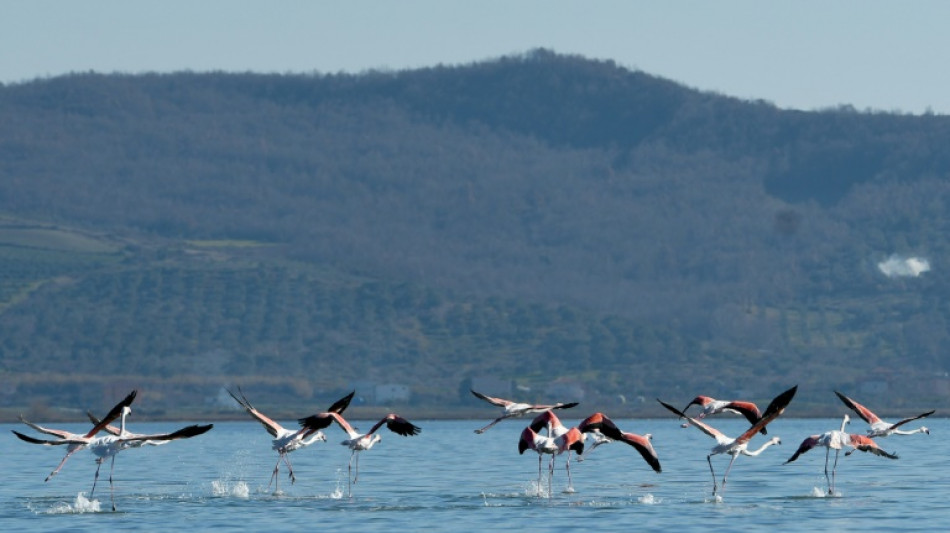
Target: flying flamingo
<point x="358" y="442"/>
<point x="285" y="440"/>
<point x="603" y="430"/>
<point x="880" y="428"/>
<point x="559" y="439"/>
<point x="108" y="446"/>
<point x="837" y="440"/>
<point x="739" y="445"/>
<point x="77" y="445"/>
<point x="517" y="409"/>
<point x="712" y="406"/>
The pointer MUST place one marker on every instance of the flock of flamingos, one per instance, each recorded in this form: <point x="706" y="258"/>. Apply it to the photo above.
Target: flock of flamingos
<point x="545" y="435"/>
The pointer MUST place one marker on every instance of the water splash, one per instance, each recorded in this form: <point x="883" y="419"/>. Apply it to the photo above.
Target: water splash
<point x="647" y="499"/>
<point x="80" y="505"/>
<point x="226" y="488"/>
<point x="822" y="493"/>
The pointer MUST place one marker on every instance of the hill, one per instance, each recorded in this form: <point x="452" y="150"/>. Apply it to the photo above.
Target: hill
<point x="563" y="224"/>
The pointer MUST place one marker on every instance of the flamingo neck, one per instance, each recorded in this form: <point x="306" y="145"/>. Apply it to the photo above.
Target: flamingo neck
<point x="762" y="448"/>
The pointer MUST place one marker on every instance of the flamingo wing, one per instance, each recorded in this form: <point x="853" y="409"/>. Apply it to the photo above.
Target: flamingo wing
<point x="544" y="420"/>
<point x="56" y="442"/>
<point x="183" y="433"/>
<point x="911" y="419"/>
<point x="861" y="410"/>
<point x="709" y="430"/>
<point x="398" y="425"/>
<point x="114" y="413"/>
<point x="600" y="422"/>
<point x="776" y="407"/>
<point x="272" y="427"/>
<point x="312" y="422"/>
<point x="527" y="441"/>
<point x="645" y="447"/>
<point x="867" y="444"/>
<point x="340" y="405"/>
<point x="747" y="409"/>
<point x="323" y="420"/>
<point x="807" y="444"/>
<point x="492" y="400"/>
<point x="54" y="432"/>
<point x="567" y="405"/>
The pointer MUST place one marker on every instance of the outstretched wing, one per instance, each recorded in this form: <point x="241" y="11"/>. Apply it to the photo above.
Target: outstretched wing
<point x="340" y="405"/>
<point x="183" y="433"/>
<point x="114" y="413"/>
<point x="747" y="409"/>
<point x="645" y="447"/>
<point x="272" y="427"/>
<point x="709" y="430"/>
<point x="55" y="442"/>
<point x="911" y="419"/>
<point x="807" y="444"/>
<point x="776" y="407"/>
<point x="397" y="425"/>
<point x="861" y="410"/>
<point x="318" y="421"/>
<point x="491" y="399"/>
<point x="867" y="444"/>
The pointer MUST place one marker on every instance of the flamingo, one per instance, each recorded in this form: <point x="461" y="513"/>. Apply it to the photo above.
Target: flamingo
<point x="517" y="409"/>
<point x="880" y="428"/>
<point x="838" y="440"/>
<point x="559" y="439"/>
<point x="603" y="430"/>
<point x="285" y="440"/>
<point x="739" y="445"/>
<point x="76" y="439"/>
<point x="712" y="406"/>
<point x="358" y="442"/>
<point x="108" y="446"/>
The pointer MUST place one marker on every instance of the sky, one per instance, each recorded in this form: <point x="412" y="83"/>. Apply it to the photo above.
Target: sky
<point x="804" y="54"/>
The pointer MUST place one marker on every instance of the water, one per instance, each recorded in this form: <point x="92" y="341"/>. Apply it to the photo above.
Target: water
<point x="449" y="479"/>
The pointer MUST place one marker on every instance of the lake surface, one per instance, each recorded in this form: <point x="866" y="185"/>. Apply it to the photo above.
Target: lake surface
<point x="451" y="479"/>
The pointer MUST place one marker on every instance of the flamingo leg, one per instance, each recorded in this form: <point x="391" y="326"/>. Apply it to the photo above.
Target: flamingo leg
<point x="570" y="482"/>
<point x="550" y="475"/>
<point x="111" y="485"/>
<point x="96" y="478"/>
<point x="290" y="470"/>
<point x="539" y="474"/>
<point x="61" y="463"/>
<point x="724" y="476"/>
<point x="834" y="470"/>
<point x="274" y="478"/>
<point x="495" y="421"/>
<point x="711" y="471"/>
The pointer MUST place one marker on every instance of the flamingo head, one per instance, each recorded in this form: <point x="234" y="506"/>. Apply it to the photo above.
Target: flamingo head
<point x="701" y="401"/>
<point x="775" y="440"/>
<point x="923" y="429"/>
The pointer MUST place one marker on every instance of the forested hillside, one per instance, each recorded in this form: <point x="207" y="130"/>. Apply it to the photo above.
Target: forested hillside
<point x="566" y="225"/>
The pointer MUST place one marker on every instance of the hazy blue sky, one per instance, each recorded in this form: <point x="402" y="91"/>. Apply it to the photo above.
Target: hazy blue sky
<point x="805" y="54"/>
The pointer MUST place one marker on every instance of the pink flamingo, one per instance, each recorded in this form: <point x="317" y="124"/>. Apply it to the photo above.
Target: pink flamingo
<point x="739" y="445"/>
<point x="880" y="428"/>
<point x="837" y="440"/>
<point x="712" y="406"/>
<point x="559" y="439"/>
<point x="358" y="442"/>
<point x="517" y="409"/>
<point x="604" y="430"/>
<point x="285" y="440"/>
<point x="77" y="443"/>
